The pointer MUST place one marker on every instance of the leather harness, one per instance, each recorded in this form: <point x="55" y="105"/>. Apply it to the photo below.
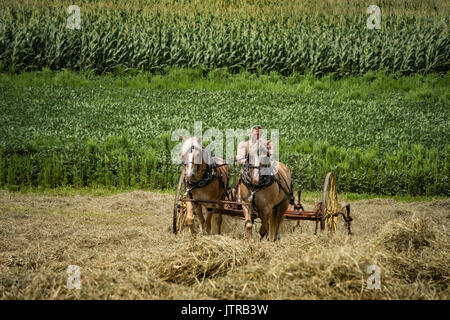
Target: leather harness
<point x="209" y="175"/>
<point x="265" y="181"/>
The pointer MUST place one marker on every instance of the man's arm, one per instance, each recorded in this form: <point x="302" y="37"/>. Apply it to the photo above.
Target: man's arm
<point x="241" y="156"/>
<point x="270" y="148"/>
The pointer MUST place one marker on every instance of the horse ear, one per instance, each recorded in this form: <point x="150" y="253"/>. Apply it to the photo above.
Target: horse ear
<point x="199" y="140"/>
<point x="181" y="150"/>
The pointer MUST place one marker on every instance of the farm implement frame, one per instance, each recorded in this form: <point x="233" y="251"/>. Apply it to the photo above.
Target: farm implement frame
<point x="325" y="213"/>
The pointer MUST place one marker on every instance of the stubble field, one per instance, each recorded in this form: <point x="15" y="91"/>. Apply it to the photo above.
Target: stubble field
<point x="125" y="250"/>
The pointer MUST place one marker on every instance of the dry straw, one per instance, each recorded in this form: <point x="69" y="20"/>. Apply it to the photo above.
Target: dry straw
<point x="125" y="249"/>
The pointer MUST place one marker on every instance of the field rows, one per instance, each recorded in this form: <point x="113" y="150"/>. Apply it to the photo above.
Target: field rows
<point x="120" y="41"/>
<point x="62" y="135"/>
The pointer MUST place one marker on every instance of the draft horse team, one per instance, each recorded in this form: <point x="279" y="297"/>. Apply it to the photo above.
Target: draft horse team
<point x="264" y="187"/>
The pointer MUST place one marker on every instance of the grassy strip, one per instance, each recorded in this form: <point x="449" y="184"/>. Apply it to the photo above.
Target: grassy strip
<point x="415" y="171"/>
<point x="371" y="86"/>
<point x="97" y="191"/>
<point x="307" y="196"/>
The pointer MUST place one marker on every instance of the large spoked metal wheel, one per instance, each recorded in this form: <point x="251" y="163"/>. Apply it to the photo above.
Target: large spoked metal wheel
<point x="179" y="208"/>
<point x="329" y="206"/>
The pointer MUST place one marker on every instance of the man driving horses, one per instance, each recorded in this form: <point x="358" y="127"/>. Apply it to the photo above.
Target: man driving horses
<point x="244" y="146"/>
<point x="265" y="186"/>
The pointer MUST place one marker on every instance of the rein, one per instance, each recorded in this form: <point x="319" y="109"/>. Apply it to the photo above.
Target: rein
<point x="265" y="181"/>
<point x="209" y="175"/>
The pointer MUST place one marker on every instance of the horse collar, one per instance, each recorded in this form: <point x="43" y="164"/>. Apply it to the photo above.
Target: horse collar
<point x="207" y="177"/>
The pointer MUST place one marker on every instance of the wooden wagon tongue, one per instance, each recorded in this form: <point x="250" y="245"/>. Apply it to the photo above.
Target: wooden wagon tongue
<point x="324" y="213"/>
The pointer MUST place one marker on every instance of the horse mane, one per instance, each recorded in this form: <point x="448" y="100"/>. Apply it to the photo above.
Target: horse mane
<point x="189" y="143"/>
<point x="263" y="147"/>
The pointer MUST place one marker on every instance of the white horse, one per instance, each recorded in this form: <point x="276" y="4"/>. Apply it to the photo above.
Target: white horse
<point x="206" y="178"/>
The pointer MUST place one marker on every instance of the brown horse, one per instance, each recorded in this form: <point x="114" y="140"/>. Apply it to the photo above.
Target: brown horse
<point x="266" y="187"/>
<point x="206" y="178"/>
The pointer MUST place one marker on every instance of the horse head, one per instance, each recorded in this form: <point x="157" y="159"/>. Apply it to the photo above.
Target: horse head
<point x="195" y="158"/>
<point x="258" y="159"/>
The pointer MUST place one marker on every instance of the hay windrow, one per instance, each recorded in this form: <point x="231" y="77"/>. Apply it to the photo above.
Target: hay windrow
<point x="126" y="250"/>
<point x="418" y="252"/>
<point x="202" y="258"/>
<point x="412" y="233"/>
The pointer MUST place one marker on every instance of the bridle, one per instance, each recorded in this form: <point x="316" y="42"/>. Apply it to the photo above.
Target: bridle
<point x="191" y="157"/>
<point x="264" y="181"/>
<point x="248" y="166"/>
<point x="209" y="174"/>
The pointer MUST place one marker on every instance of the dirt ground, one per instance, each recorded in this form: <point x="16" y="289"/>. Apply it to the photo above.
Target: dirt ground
<point x="125" y="249"/>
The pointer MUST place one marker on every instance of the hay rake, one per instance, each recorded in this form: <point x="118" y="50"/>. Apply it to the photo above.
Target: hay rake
<point x="325" y="213"/>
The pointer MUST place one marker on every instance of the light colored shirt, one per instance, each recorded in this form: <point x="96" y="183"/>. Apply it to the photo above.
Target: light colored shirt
<point x="243" y="147"/>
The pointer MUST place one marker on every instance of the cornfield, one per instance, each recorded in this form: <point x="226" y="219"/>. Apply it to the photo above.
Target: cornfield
<point x="33" y="37"/>
<point x="62" y="135"/>
<point x="55" y="136"/>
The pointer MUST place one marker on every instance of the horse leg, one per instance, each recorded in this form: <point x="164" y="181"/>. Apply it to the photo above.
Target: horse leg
<point x="218" y="219"/>
<point x="207" y="222"/>
<point x="278" y="236"/>
<point x="190" y="217"/>
<point x="248" y="220"/>
<point x="278" y="219"/>
<point x="216" y="223"/>
<point x="279" y="216"/>
<point x="213" y="222"/>
<point x="198" y="209"/>
<point x="264" y="226"/>
<point x="273" y="225"/>
<point x="219" y="223"/>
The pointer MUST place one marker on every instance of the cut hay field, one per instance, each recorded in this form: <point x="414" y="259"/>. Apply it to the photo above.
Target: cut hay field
<point x="125" y="249"/>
